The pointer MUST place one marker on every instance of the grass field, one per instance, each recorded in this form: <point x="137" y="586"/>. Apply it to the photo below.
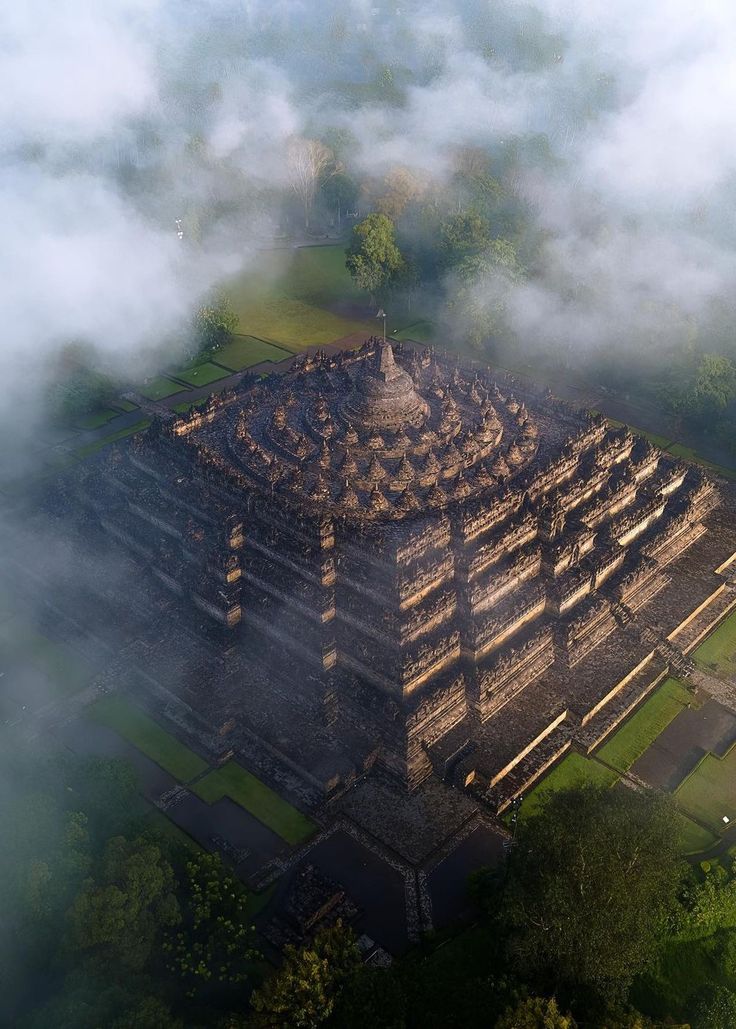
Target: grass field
<point x="299" y="297"/>
<point x="422" y="330"/>
<point x="92" y="448"/>
<point x="709" y="791"/>
<point x="719" y="649"/>
<point x="573" y="770"/>
<point x="643" y="728"/>
<point x="233" y="781"/>
<point x="245" y="351"/>
<point x="148" y="736"/>
<point x="95" y="419"/>
<point x="160" y="388"/>
<point x="202" y="374"/>
<point x="694" y="838"/>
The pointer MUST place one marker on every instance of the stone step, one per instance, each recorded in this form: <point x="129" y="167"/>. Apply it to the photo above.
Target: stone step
<point x="523" y="775"/>
<point x="620" y="706"/>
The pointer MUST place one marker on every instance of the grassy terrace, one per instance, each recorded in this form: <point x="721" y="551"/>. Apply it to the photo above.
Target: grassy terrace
<point x="709" y="792"/>
<point x="160" y="388"/>
<point x="299" y="297"/>
<point x="233" y="781"/>
<point x="573" y="770"/>
<point x="92" y="448"/>
<point x="645" y="725"/>
<point x="149" y="737"/>
<point x="202" y="374"/>
<point x="718" y="651"/>
<point x="245" y="351"/>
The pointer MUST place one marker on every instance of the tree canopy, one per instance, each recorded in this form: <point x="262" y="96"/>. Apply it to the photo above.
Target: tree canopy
<point x="592" y="884"/>
<point x="373" y="258"/>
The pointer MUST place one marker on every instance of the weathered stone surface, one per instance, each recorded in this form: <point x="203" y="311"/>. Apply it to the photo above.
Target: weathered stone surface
<point x="412" y="565"/>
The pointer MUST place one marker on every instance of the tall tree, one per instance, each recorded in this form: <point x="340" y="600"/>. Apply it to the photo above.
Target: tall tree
<point x="373" y="258"/>
<point x="308" y="163"/>
<point x="302" y="993"/>
<point x="214" y="942"/>
<point x="536" y="1013"/>
<point x="120" y="912"/>
<point x="401" y="186"/>
<point x="214" y="323"/>
<point x="592" y="884"/>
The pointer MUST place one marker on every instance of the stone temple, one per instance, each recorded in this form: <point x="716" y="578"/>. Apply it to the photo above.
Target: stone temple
<point x="413" y="565"/>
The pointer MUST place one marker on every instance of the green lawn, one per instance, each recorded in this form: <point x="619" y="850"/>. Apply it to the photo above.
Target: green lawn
<point x="641" y="730"/>
<point x="160" y="388"/>
<point x="245" y="351"/>
<point x="202" y="374"/>
<point x="126" y="405"/>
<point x="299" y="297"/>
<point x="92" y="448"/>
<point x="573" y="770"/>
<point x="148" y="736"/>
<point x="719" y="649"/>
<point x="232" y="780"/>
<point x="422" y="331"/>
<point x="709" y="791"/>
<point x="95" y="419"/>
<point x="694" y="838"/>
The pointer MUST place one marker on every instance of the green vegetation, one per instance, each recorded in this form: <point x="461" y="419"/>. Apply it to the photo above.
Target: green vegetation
<point x="294" y="299"/>
<point x="93" y="448"/>
<point x="305" y="989"/>
<point x="233" y="781"/>
<point x="689" y="454"/>
<point x="718" y="651"/>
<point x="373" y="258"/>
<point x="644" y="726"/>
<point x="160" y="388"/>
<point x="202" y="374"/>
<point x="95" y="419"/>
<point x="148" y="736"/>
<point x="694" y="839"/>
<point x="574" y="770"/>
<point x="709" y="791"/>
<point x="245" y="351"/>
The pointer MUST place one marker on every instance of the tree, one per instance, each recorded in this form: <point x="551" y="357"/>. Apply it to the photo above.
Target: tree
<point x="478" y="291"/>
<point x="302" y="993"/>
<point x="119" y="914"/>
<point x="308" y="163"/>
<point x="536" y="1013"/>
<point x="214" y="942"/>
<point x="591" y="887"/>
<point x="401" y="186"/>
<point x="715" y="1009"/>
<point x="373" y="258"/>
<point x="462" y="236"/>
<point x="709" y="905"/>
<point x="340" y="191"/>
<point x="214" y="323"/>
